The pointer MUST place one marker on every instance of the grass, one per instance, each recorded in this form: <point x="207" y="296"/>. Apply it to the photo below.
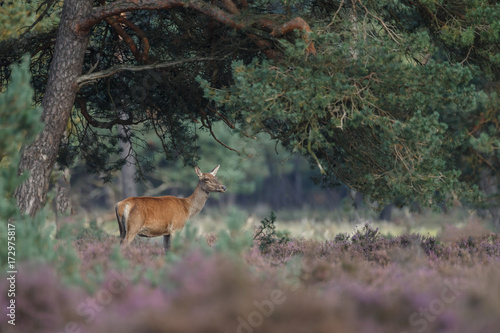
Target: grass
<point x="320" y="225"/>
<point x="322" y="277"/>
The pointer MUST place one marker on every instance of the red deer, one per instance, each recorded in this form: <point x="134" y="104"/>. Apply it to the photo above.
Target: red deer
<point x="161" y="216"/>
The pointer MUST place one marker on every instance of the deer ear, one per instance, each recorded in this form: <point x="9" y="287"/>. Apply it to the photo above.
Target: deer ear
<point x="214" y="171"/>
<point x="198" y="171"/>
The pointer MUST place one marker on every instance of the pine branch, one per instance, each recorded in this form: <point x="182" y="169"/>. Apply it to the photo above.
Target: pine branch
<point x="121" y="6"/>
<point x="102" y="124"/>
<point x="113" y="22"/>
<point x="88" y="78"/>
<point x="49" y="5"/>
<point x="228" y="17"/>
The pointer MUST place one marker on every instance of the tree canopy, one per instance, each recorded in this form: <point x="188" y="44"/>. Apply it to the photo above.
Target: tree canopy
<point x="396" y="99"/>
<point x="390" y="104"/>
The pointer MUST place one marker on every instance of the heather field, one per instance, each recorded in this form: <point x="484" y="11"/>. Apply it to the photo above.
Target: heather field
<point x="246" y="277"/>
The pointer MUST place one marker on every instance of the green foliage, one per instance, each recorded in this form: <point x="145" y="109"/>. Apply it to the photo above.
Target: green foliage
<point x="267" y="236"/>
<point x="240" y="170"/>
<point x="392" y="104"/>
<point x="235" y="240"/>
<point x="373" y="121"/>
<point x="16" y="15"/>
<point x="19" y="124"/>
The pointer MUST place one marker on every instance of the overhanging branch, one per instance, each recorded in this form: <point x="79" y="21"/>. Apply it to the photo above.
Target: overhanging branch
<point x="144" y="39"/>
<point x="113" y="22"/>
<point x="117" y="7"/>
<point x="229" y="17"/>
<point x="88" y="78"/>
<point x="102" y="124"/>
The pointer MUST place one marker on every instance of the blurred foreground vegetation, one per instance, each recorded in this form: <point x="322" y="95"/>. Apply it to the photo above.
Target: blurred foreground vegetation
<point x="247" y="279"/>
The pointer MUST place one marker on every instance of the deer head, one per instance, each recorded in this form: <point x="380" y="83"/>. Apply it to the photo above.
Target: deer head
<point x="208" y="182"/>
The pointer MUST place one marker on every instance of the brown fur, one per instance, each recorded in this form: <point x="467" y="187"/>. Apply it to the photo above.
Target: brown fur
<point x="161" y="216"/>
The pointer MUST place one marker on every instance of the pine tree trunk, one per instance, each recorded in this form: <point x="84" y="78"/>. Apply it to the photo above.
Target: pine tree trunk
<point x="39" y="157"/>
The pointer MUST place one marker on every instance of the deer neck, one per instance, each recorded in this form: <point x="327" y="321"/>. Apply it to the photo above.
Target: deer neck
<point x="197" y="200"/>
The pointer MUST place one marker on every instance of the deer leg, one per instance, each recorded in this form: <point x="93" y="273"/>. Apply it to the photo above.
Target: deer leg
<point x="166" y="242"/>
<point x="131" y="232"/>
<point x="129" y="237"/>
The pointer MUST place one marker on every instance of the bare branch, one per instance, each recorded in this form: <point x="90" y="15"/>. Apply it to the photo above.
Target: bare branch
<point x="140" y="34"/>
<point x="296" y="23"/>
<point x="391" y="33"/>
<point x="102" y="124"/>
<point x="87" y="78"/>
<point x="206" y="123"/>
<point x="48" y="4"/>
<point x="278" y="31"/>
<point x="117" y="23"/>
<point x="113" y="22"/>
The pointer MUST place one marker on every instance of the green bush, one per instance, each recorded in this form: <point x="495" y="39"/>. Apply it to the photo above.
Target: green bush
<point x="267" y="235"/>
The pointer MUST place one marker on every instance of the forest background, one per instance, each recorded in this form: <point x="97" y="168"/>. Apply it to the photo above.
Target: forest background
<point x="393" y="100"/>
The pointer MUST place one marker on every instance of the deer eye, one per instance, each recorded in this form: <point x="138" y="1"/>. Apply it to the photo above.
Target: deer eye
<point x="206" y="180"/>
